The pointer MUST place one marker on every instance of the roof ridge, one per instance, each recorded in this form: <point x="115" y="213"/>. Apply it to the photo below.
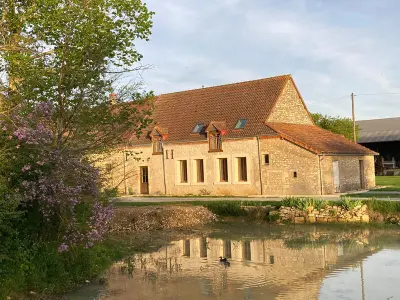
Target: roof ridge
<point x="227" y="84"/>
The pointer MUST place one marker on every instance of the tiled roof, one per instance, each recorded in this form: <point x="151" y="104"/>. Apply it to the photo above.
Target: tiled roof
<point x="379" y="130"/>
<point x="252" y="100"/>
<point x="318" y="140"/>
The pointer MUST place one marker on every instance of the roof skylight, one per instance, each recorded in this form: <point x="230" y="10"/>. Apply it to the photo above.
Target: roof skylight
<point x="198" y="128"/>
<point x="241" y="124"/>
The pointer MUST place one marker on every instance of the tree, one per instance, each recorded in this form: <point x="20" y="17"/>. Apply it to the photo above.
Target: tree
<point x="70" y="53"/>
<point x="60" y="60"/>
<point x="338" y="125"/>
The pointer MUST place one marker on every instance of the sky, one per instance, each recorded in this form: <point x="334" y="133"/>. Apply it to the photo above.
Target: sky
<point x="332" y="48"/>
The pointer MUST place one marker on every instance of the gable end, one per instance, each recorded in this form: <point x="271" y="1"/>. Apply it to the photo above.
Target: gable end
<point x="290" y="107"/>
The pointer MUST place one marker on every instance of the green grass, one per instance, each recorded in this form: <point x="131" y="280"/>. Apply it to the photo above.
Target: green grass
<point x="384" y="207"/>
<point x="232" y="208"/>
<point x="393" y="183"/>
<point x="373" y="195"/>
<point x="200" y="202"/>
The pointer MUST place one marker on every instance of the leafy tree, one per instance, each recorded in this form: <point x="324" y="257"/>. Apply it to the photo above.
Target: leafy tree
<point x="60" y="60"/>
<point x="71" y="53"/>
<point x="338" y="125"/>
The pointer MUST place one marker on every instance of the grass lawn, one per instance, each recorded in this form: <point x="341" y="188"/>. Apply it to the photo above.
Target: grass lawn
<point x="393" y="183"/>
<point x="200" y="202"/>
<point x="374" y="195"/>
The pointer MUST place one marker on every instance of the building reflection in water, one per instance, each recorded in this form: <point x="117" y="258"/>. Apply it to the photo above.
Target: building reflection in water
<point x="258" y="267"/>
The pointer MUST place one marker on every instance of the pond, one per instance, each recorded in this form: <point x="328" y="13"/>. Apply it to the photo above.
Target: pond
<point x="266" y="262"/>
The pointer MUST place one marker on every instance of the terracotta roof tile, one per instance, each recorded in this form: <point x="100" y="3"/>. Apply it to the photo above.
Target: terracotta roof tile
<point x="251" y="100"/>
<point x="319" y="140"/>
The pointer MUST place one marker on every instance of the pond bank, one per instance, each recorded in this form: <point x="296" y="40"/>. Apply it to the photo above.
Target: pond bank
<point x="146" y="228"/>
<point x="160" y="217"/>
<point x="289" y="210"/>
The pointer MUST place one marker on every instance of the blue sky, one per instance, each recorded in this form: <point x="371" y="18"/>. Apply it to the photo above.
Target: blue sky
<point x="331" y="47"/>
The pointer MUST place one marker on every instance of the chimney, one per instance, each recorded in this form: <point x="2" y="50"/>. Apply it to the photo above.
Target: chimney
<point x="113" y="98"/>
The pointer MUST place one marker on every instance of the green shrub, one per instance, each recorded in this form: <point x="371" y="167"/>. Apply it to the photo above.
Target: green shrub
<point x="349" y="204"/>
<point x="131" y="191"/>
<point x="228" y="208"/>
<point x="39" y="267"/>
<point x="304" y="203"/>
<point x="384" y="207"/>
<point x="290" y="201"/>
<point x="320" y="204"/>
<point x="110" y="193"/>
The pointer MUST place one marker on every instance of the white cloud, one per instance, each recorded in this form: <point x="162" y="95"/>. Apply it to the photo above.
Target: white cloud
<point x="332" y="48"/>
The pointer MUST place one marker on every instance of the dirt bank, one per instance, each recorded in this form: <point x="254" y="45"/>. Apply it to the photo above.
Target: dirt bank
<point x="160" y="217"/>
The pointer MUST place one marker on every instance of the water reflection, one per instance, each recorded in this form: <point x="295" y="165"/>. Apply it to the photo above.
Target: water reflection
<point x="305" y="265"/>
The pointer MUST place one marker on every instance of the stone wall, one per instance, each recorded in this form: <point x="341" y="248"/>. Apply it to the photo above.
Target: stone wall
<point x="292" y="170"/>
<point x="290" y="108"/>
<point x="329" y="214"/>
<point x="349" y="171"/>
<point x="285" y="159"/>
<point x="143" y="156"/>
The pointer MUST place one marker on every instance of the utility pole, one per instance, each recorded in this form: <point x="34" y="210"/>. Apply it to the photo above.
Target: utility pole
<point x="354" y="118"/>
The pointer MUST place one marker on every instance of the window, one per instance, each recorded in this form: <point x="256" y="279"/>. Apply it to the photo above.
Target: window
<point x="186" y="248"/>
<point x="172" y="154"/>
<point x="227" y="247"/>
<point x="266" y="159"/>
<point x="223" y="169"/>
<point x="241" y="124"/>
<point x="166" y="154"/>
<point x="157" y="144"/>
<point x="271" y="259"/>
<point x="200" y="170"/>
<point x="183" y="171"/>
<point x="246" y="250"/>
<point x="215" y="141"/>
<point x="198" y="128"/>
<point x="294" y="174"/>
<point x="203" y="247"/>
<point x="242" y="169"/>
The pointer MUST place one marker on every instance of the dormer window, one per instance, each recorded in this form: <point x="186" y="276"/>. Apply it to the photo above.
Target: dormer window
<point x="158" y="135"/>
<point x="241" y="123"/>
<point x="215" y="141"/>
<point x="157" y="144"/>
<point x="215" y="132"/>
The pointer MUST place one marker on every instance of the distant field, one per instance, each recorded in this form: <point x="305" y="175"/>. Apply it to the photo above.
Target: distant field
<point x="392" y="181"/>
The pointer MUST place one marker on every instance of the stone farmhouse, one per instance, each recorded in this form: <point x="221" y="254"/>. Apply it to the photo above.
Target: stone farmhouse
<point x="248" y="138"/>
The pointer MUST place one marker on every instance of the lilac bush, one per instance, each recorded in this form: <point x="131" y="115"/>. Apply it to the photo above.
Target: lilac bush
<point x="59" y="183"/>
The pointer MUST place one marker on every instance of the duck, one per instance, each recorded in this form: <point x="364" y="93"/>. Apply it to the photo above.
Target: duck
<point x="224" y="261"/>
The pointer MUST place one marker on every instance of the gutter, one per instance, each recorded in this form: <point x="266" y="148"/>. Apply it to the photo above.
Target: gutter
<point x="259" y="164"/>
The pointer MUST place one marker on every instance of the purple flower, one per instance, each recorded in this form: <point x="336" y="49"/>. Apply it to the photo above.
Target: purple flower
<point x="62" y="248"/>
<point x="26" y="168"/>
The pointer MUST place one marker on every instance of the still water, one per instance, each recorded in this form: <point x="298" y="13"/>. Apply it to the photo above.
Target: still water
<point x="266" y="262"/>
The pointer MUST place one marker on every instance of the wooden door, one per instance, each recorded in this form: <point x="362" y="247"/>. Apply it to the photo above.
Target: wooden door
<point x="144" y="180"/>
<point x="336" y="176"/>
<point x="362" y="174"/>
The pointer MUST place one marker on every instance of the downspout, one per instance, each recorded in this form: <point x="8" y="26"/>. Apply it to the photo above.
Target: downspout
<point x="259" y="164"/>
<point x="320" y="174"/>
<point x="124" y="159"/>
<point x="163" y="165"/>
